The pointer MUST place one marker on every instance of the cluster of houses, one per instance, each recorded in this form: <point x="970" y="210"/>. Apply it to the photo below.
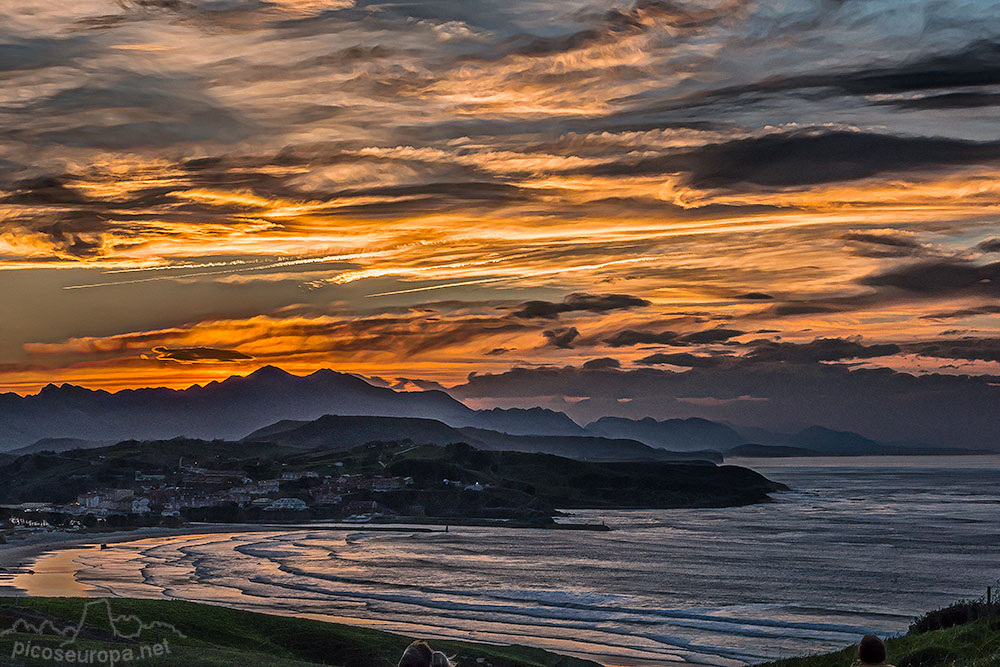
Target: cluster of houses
<point x="202" y="487"/>
<point x="190" y="491"/>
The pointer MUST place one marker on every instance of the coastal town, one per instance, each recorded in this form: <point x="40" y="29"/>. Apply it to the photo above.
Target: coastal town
<point x="182" y="482"/>
<point x="194" y="493"/>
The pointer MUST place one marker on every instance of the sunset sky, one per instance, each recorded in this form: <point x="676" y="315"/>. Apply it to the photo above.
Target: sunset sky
<point x="417" y="191"/>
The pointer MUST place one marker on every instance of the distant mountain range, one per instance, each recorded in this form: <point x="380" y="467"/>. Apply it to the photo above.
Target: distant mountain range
<point x="237" y="405"/>
<point x="58" y="445"/>
<point x="270" y="403"/>
<point x="345" y="432"/>
<point x="678" y="434"/>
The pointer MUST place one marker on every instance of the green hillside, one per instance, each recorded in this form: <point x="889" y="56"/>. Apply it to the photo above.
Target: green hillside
<point x="966" y="635"/>
<point x="221" y="637"/>
<point x="521" y="485"/>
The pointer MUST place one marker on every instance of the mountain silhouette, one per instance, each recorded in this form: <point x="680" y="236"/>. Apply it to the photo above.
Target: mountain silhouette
<point x="675" y="434"/>
<point x="231" y="408"/>
<point x="344" y="432"/>
<point x="67" y="416"/>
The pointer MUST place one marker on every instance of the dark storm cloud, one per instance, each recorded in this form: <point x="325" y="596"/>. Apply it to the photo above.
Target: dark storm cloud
<point x="48" y="189"/>
<point x="680" y="359"/>
<point x="20" y="53"/>
<point x="514" y="129"/>
<point x="910" y="281"/>
<point x="943" y="278"/>
<point x="971" y="349"/>
<point x="986" y="309"/>
<point x="196" y="126"/>
<point x="889" y="243"/>
<point x="630" y="337"/>
<point x="947" y="101"/>
<point x="610" y="26"/>
<point x="51" y="207"/>
<point x="805" y="308"/>
<point x="603" y="362"/>
<point x="562" y="336"/>
<point x="709" y="336"/>
<point x="435" y="185"/>
<point x="973" y="66"/>
<point x="821" y="349"/>
<point x="239" y="70"/>
<point x="127" y="110"/>
<point x="530" y="45"/>
<point x="465" y="191"/>
<point x="197" y="354"/>
<point x="976" y="65"/>
<point x="68" y="212"/>
<point x="896" y="240"/>
<point x="579" y="301"/>
<point x="806" y="158"/>
<point x="58" y="193"/>
<point x="989" y="245"/>
<point x="660" y="207"/>
<point x="884" y="251"/>
<point x="71" y="230"/>
<point x="73" y="233"/>
<point x="211" y="17"/>
<point x="430" y="196"/>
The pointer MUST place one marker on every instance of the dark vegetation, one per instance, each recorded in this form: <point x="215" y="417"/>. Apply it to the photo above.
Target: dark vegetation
<point x="960" y="613"/>
<point x="570" y="483"/>
<point x="966" y="634"/>
<point x="60" y="476"/>
<point x="520" y="486"/>
<point x="222" y="637"/>
<point x="339" y="432"/>
<point x="962" y="635"/>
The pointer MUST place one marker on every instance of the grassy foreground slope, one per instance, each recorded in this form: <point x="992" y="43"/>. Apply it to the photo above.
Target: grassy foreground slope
<point x="222" y="637"/>
<point x="975" y="644"/>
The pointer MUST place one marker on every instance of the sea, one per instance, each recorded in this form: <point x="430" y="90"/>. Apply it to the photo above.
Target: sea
<point x="857" y="545"/>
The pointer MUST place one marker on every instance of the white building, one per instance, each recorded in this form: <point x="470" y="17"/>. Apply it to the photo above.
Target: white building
<point x="140" y="506"/>
<point x="293" y="504"/>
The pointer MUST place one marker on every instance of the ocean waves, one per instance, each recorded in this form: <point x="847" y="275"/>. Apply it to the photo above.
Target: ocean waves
<point x="849" y="552"/>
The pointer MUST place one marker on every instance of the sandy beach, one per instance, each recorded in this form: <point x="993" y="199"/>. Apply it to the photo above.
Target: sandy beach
<point x="24" y="554"/>
<point x="21" y="554"/>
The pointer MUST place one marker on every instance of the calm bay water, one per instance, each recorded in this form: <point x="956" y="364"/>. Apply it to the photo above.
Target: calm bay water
<point x="859" y="545"/>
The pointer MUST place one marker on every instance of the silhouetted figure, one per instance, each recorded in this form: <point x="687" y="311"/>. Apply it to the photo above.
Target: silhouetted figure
<point x="419" y="654"/>
<point x="871" y="651"/>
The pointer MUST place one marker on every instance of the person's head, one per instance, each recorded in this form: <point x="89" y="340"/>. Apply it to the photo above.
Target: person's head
<point x="871" y="650"/>
<point x="417" y="654"/>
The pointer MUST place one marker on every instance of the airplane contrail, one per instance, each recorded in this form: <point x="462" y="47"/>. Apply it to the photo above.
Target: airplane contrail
<point x="520" y="276"/>
<point x="242" y="269"/>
